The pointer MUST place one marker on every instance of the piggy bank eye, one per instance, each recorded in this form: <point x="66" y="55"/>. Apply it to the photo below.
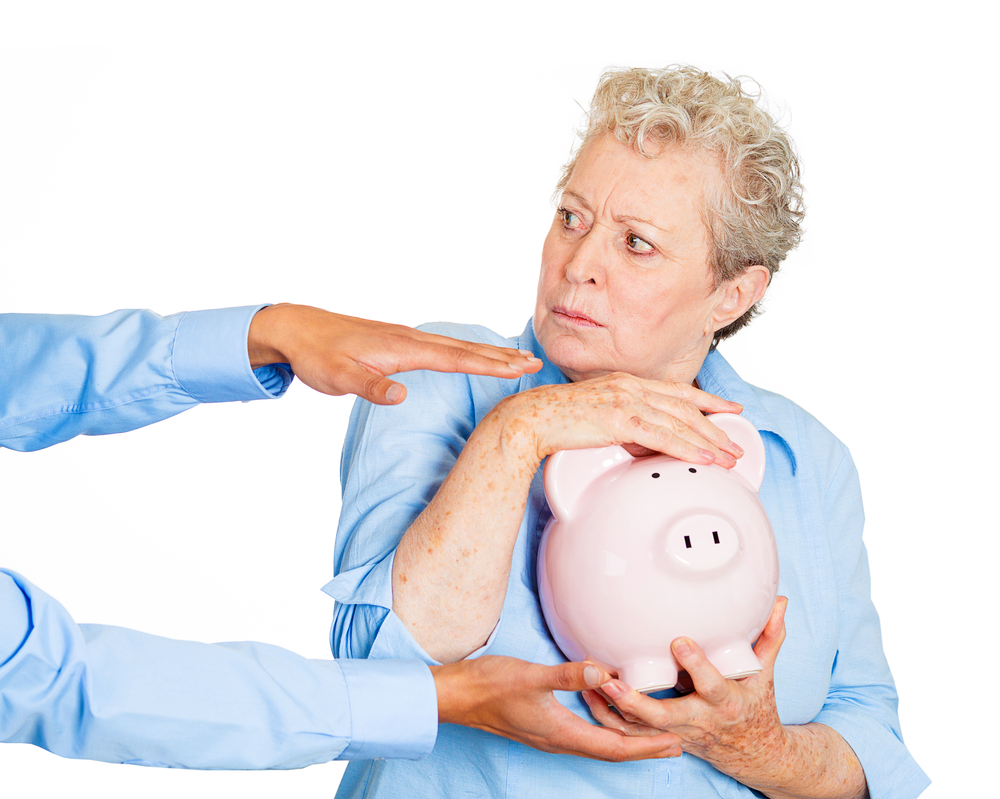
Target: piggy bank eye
<point x="656" y="474"/>
<point x="693" y="471"/>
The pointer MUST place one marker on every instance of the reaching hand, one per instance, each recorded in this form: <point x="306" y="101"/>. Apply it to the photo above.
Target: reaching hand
<point x="515" y="699"/>
<point x="337" y="354"/>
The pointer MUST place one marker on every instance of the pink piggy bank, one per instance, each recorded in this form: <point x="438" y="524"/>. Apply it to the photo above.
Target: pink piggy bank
<point x="641" y="551"/>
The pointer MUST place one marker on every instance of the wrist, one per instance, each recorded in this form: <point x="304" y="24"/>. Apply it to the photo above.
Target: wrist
<point x="512" y="426"/>
<point x="448" y="682"/>
<point x="264" y="338"/>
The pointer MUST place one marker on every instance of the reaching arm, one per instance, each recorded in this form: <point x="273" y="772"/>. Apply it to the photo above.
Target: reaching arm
<point x="122" y="696"/>
<point x="107" y="693"/>
<point x="64" y="376"/>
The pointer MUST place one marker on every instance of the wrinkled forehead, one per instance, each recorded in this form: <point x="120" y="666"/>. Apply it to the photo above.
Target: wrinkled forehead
<point x="656" y="187"/>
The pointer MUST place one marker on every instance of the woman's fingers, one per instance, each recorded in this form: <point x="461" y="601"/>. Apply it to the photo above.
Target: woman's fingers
<point x="702" y="400"/>
<point x="690" y="441"/>
<point x="660" y="435"/>
<point x="622" y="409"/>
<point x="628" y="724"/>
<point x="639" y="710"/>
<point x="707" y="680"/>
<point x="683" y="405"/>
<point x="773" y="636"/>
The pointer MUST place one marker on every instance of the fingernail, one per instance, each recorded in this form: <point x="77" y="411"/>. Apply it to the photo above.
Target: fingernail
<point x="592" y="675"/>
<point x="734" y="447"/>
<point x="682" y="647"/>
<point x="529" y="353"/>
<point x="612" y="689"/>
<point x="394" y="393"/>
<point x="707" y="456"/>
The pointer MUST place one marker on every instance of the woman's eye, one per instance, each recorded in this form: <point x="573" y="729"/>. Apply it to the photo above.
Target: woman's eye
<point x="638" y="245"/>
<point x="569" y="219"/>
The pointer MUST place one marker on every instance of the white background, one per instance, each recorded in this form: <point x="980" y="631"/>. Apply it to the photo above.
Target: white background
<point x="396" y="161"/>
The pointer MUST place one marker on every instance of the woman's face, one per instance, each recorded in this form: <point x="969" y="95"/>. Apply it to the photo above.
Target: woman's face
<point x="625" y="283"/>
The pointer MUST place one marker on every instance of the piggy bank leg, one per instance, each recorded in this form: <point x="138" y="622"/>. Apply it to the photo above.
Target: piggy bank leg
<point x="650" y="674"/>
<point x="735" y="659"/>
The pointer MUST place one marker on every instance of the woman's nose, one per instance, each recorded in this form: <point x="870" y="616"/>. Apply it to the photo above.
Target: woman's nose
<point x="587" y="264"/>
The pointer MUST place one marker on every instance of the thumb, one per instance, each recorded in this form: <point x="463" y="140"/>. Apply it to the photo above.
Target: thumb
<point x="373" y="387"/>
<point x="575" y="677"/>
<point x="773" y="635"/>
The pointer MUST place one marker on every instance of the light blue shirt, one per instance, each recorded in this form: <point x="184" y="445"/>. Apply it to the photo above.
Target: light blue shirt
<point x="831" y="668"/>
<point x="107" y="693"/>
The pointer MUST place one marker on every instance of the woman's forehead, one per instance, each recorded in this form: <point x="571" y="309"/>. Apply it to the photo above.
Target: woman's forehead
<point x="611" y="178"/>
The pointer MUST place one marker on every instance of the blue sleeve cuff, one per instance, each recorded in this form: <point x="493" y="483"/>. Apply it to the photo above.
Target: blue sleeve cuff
<point x="393" y="709"/>
<point x="210" y="358"/>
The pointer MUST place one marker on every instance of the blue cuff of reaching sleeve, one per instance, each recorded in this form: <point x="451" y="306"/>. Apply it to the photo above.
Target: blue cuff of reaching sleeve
<point x="210" y="358"/>
<point x="890" y="770"/>
<point x="393" y="709"/>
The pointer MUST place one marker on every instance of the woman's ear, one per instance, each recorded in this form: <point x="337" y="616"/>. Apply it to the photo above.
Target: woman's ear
<point x="739" y="295"/>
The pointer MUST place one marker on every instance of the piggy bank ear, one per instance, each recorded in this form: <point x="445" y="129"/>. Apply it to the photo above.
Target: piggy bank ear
<point x="751" y="466"/>
<point x="570" y="473"/>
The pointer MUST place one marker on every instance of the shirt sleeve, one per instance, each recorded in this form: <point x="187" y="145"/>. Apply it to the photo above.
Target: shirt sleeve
<point x="861" y="703"/>
<point x="117" y="695"/>
<point x="62" y="376"/>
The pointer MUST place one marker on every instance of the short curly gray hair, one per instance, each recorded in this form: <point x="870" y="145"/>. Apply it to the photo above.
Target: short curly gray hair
<point x="758" y="219"/>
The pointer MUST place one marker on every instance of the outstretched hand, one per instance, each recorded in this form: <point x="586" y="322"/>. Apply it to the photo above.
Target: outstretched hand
<point x="337" y="354"/>
<point x="515" y="699"/>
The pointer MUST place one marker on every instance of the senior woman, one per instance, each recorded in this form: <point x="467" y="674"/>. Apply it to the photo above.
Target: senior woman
<point x="679" y="205"/>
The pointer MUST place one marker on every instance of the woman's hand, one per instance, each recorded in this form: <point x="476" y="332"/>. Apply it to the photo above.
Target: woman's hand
<point x="644" y="415"/>
<point x="734" y="725"/>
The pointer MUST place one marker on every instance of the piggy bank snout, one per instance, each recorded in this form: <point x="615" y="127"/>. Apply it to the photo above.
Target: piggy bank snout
<point x="701" y="544"/>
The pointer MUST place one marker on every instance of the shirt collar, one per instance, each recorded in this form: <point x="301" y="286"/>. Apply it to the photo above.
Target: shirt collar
<point x="719" y="378"/>
<point x="716" y="377"/>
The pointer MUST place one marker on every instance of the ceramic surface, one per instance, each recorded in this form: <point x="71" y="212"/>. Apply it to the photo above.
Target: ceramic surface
<point x="641" y="551"/>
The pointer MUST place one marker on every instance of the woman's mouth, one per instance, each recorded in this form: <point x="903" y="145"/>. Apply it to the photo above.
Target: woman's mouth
<point x="569" y="316"/>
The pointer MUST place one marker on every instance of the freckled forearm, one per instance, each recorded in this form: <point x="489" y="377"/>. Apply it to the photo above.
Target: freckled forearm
<point x="811" y="761"/>
<point x="451" y="567"/>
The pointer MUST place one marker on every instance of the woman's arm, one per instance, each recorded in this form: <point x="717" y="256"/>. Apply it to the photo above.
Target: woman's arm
<point x="451" y="568"/>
